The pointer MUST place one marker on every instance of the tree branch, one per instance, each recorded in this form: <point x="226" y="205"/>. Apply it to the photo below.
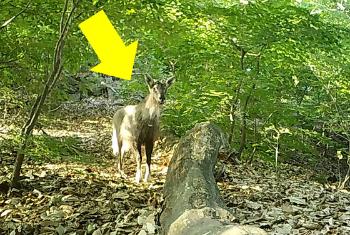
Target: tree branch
<point x="51" y="80"/>
<point x="14" y="17"/>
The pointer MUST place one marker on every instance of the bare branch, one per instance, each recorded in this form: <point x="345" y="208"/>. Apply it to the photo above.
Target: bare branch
<point x="36" y="109"/>
<point x="239" y="48"/>
<point x="64" y="29"/>
<point x="14" y="17"/>
<point x="172" y="66"/>
<point x="109" y="86"/>
<point x="63" y="16"/>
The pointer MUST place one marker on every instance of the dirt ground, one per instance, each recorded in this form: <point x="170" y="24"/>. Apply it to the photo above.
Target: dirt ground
<point x="84" y="194"/>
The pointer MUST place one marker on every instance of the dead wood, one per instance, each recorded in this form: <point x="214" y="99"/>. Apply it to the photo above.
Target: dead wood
<point x="193" y="204"/>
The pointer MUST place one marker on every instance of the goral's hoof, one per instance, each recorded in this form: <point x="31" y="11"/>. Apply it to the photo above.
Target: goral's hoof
<point x="138" y="177"/>
<point x="121" y="174"/>
<point x="146" y="179"/>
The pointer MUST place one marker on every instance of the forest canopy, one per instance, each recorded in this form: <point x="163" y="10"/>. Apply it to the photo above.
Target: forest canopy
<point x="272" y="66"/>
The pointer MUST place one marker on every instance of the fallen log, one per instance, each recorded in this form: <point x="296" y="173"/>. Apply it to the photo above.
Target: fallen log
<point x="192" y="202"/>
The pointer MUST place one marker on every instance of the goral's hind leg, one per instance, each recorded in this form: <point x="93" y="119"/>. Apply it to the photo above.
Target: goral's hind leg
<point x="149" y="150"/>
<point x="138" y="163"/>
<point x="123" y="151"/>
<point x="118" y="152"/>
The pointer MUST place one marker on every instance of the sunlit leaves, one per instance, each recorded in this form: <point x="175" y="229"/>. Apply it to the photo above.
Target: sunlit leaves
<point x="304" y="66"/>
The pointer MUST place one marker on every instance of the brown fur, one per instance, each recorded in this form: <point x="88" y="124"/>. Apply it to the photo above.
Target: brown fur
<point x="137" y="125"/>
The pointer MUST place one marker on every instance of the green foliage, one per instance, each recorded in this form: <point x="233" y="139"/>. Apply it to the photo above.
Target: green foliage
<point x="9" y="100"/>
<point x="302" y="82"/>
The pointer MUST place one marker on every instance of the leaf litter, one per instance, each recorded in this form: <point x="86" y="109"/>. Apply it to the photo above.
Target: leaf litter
<point x="72" y="197"/>
<point x="287" y="202"/>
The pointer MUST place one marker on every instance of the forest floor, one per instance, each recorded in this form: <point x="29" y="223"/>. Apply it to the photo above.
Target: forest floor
<point x="70" y="186"/>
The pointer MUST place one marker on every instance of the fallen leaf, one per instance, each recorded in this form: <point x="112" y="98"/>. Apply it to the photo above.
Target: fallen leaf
<point x="297" y="200"/>
<point x="38" y="193"/>
<point x="60" y="230"/>
<point x="120" y="195"/>
<point x="5" y="212"/>
<point x="97" y="232"/>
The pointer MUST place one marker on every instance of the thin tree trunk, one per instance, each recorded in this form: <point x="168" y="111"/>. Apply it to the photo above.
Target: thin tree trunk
<point x="243" y="135"/>
<point x="347" y="176"/>
<point x="234" y="103"/>
<point x="233" y="110"/>
<point x="52" y="79"/>
<point x="255" y="141"/>
<point x="277" y="150"/>
<point x="244" y="113"/>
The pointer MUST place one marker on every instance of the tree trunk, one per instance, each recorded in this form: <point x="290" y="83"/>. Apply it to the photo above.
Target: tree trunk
<point x="235" y="100"/>
<point x="244" y="112"/>
<point x="39" y="102"/>
<point x="192" y="200"/>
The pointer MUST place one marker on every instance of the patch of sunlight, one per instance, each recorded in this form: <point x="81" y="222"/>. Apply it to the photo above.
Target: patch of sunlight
<point x="256" y="188"/>
<point x="4" y="132"/>
<point x="173" y="11"/>
<point x="4" y="129"/>
<point x="52" y="166"/>
<point x="216" y="93"/>
<point x="105" y="174"/>
<point x="91" y="121"/>
<point x="58" y="166"/>
<point x="225" y="3"/>
<point x="65" y="133"/>
<point x="64" y="166"/>
<point x="344" y="191"/>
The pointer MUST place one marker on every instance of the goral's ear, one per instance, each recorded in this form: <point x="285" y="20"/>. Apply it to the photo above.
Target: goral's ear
<point x="149" y="81"/>
<point x="170" y="81"/>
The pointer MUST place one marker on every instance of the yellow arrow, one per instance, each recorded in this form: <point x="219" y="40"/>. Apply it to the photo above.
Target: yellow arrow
<point x="116" y="59"/>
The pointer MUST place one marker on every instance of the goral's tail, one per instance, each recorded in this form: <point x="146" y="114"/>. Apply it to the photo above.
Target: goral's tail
<point x="115" y="145"/>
